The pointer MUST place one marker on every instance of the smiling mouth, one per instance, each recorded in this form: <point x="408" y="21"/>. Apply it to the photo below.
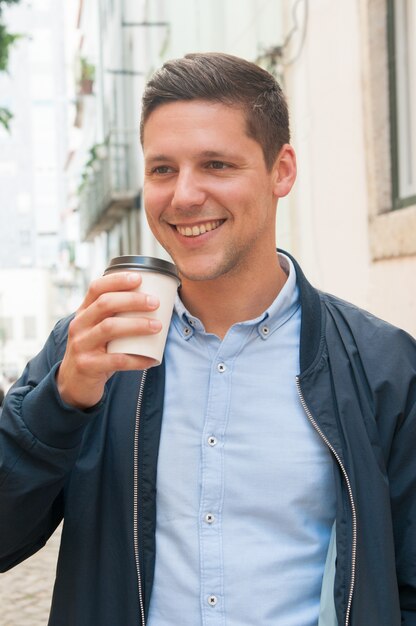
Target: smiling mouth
<point x="200" y="229"/>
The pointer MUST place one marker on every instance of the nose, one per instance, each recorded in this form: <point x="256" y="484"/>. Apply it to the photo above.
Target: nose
<point x="188" y="192"/>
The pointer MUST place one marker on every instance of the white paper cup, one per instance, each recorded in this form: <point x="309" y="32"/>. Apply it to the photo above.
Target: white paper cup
<point x="159" y="278"/>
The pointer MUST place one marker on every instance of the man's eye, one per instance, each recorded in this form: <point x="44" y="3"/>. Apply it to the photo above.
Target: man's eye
<point x="161" y="169"/>
<point x="217" y="165"/>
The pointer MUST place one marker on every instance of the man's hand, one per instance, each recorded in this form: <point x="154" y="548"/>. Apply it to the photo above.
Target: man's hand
<point x="86" y="366"/>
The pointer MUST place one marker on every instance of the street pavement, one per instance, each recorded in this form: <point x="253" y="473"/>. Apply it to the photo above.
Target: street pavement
<point x="26" y="590"/>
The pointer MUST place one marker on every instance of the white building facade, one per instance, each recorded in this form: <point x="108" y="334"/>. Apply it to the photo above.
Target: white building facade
<point x="39" y="282"/>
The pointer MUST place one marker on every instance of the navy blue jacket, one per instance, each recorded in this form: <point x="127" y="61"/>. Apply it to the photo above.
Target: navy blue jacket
<point x="97" y="471"/>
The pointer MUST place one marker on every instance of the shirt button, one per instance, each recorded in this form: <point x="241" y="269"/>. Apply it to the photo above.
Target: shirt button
<point x="209" y="518"/>
<point x="265" y="331"/>
<point x="186" y="331"/>
<point x="221" y="367"/>
<point x="212" y="441"/>
<point x="212" y="600"/>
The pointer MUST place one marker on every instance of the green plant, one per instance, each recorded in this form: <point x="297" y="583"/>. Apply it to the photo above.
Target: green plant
<point x="7" y="3"/>
<point x="87" y="69"/>
<point x="6" y="41"/>
<point x="96" y="153"/>
<point x="5" y="118"/>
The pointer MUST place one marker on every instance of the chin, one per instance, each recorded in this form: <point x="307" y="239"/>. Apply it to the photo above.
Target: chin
<point x="200" y="274"/>
<point x="191" y="271"/>
<point x="195" y="276"/>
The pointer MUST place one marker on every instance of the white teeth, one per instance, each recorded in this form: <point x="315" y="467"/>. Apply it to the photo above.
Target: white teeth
<point x="195" y="231"/>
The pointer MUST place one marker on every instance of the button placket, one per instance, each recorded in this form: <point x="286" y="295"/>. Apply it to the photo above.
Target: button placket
<point x="212" y="478"/>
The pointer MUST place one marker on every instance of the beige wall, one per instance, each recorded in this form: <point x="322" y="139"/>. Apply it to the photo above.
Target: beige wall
<point x="338" y="95"/>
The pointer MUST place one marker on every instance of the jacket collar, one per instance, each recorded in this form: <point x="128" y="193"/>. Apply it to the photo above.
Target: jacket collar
<point x="311" y="332"/>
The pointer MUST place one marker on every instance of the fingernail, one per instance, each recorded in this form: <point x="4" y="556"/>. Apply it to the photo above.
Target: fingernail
<point x="152" y="301"/>
<point x="155" y="324"/>
<point x="132" y="277"/>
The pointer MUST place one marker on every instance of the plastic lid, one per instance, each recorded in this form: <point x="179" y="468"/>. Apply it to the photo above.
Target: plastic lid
<point x="137" y="262"/>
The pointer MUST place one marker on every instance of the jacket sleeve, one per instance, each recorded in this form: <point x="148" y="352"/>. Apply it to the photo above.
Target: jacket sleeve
<point x="40" y="438"/>
<point x="402" y="481"/>
<point x="402" y="477"/>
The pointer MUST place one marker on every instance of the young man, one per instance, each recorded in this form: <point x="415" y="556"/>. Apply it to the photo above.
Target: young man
<point x="265" y="473"/>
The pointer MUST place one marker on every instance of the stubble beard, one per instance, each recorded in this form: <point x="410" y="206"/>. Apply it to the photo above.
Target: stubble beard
<point x="232" y="263"/>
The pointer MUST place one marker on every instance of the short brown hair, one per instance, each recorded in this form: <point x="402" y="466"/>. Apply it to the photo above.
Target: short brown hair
<point x="228" y="79"/>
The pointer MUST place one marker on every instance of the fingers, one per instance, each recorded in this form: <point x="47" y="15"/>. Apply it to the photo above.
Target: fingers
<point x="95" y="323"/>
<point x="92" y="338"/>
<point x="117" y="281"/>
<point x="108" y="304"/>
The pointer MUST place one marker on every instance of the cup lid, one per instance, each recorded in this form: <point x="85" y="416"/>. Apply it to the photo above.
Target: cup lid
<point x="138" y="262"/>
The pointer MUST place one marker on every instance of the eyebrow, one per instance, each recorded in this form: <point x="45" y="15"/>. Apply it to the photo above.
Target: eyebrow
<point x="207" y="154"/>
<point x="157" y="157"/>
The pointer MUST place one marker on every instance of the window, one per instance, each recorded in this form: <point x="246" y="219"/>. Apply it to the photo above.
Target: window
<point x="389" y="96"/>
<point x="402" y="78"/>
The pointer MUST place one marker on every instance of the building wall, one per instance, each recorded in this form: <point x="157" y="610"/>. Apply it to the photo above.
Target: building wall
<point x="39" y="280"/>
<point x="32" y="154"/>
<point x="109" y="202"/>
<point x="342" y="224"/>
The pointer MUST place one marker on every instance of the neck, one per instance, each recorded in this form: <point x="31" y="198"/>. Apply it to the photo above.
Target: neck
<point x="225" y="301"/>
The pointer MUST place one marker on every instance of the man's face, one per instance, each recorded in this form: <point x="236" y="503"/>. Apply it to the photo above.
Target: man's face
<point x="209" y="198"/>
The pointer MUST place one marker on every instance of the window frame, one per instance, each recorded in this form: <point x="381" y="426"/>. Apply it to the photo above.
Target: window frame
<point x="398" y="200"/>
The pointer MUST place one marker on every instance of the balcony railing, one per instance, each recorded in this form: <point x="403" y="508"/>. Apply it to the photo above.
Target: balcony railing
<point x="111" y="185"/>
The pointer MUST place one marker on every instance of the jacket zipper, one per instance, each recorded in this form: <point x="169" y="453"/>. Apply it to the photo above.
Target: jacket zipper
<point x="136" y="497"/>
<point x="350" y="495"/>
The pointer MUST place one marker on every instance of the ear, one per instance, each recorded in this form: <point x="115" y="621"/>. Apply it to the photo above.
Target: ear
<point x="284" y="171"/>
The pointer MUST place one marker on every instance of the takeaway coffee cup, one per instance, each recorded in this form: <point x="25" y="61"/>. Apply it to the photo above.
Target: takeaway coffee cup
<point x="159" y="278"/>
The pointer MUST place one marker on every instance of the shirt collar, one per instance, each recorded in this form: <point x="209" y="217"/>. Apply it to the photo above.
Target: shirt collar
<point x="281" y="309"/>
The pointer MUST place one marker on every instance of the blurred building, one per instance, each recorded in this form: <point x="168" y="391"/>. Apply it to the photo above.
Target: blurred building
<point x="31" y="180"/>
<point x="39" y="280"/>
<point x="105" y="162"/>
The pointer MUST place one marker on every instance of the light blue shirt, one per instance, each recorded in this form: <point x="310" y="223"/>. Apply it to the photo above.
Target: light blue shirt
<point x="245" y="486"/>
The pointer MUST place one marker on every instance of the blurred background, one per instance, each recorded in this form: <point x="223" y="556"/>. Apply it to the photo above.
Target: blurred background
<point x="71" y="77"/>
